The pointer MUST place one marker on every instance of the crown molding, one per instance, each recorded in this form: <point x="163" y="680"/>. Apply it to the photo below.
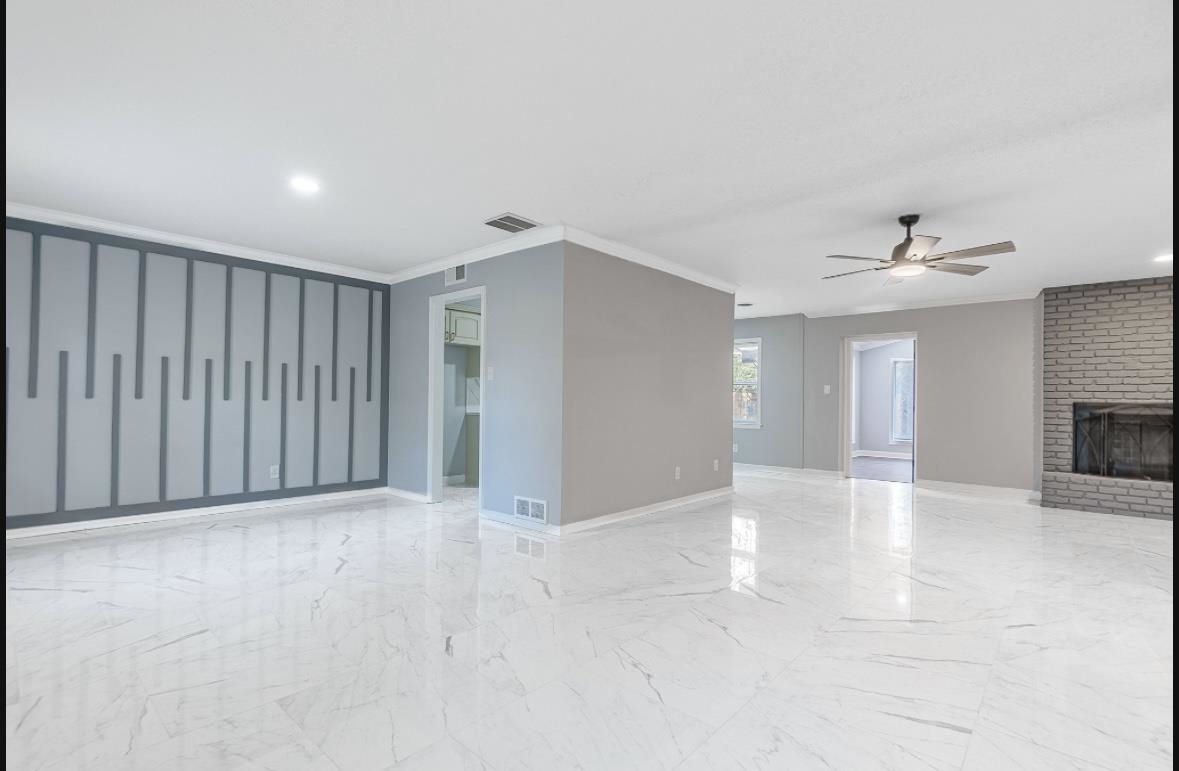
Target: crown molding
<point x="527" y="239"/>
<point x="862" y="310"/>
<point x="68" y="219"/>
<point x="550" y="234"/>
<point x="638" y="256"/>
<point x="516" y="242"/>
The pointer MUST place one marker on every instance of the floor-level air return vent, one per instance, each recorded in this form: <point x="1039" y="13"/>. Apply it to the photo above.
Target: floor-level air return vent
<point x="530" y="508"/>
<point x="513" y="223"/>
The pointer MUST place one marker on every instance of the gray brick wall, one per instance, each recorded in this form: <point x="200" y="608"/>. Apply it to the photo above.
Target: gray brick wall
<point x="1104" y="342"/>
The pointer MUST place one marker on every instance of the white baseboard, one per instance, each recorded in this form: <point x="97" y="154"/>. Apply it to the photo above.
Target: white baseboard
<point x="499" y="517"/>
<point x="1005" y="494"/>
<point x="753" y="468"/>
<point x="204" y="511"/>
<point x="618" y="516"/>
<point x="882" y="454"/>
<point x="455" y="479"/>
<point x="408" y="495"/>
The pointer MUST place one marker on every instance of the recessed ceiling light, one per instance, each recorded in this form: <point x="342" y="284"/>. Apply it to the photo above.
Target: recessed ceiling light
<point x="304" y="185"/>
<point x="744" y="305"/>
<point x="1165" y="258"/>
<point x="908" y="270"/>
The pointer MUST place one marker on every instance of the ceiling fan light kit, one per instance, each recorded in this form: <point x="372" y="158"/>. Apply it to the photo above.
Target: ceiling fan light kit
<point x="912" y="257"/>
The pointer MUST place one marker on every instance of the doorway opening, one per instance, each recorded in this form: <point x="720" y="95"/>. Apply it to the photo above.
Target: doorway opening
<point x="880" y="407"/>
<point x="458" y="334"/>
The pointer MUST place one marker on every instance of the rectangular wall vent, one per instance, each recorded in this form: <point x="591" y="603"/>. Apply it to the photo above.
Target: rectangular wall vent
<point x="530" y="508"/>
<point x="513" y="223"/>
<point x="455" y="275"/>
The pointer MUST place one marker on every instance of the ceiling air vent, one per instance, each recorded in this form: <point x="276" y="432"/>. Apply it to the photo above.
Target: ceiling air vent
<point x="513" y="223"/>
<point x="455" y="275"/>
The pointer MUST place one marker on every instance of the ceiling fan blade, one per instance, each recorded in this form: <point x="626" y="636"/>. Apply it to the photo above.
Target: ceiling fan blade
<point x="865" y="270"/>
<point x="965" y="270"/>
<point x="849" y="257"/>
<point x="975" y="251"/>
<point x="893" y="281"/>
<point x="919" y="246"/>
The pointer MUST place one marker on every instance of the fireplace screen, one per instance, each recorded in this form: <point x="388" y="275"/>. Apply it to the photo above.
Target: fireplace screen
<point x="1135" y="441"/>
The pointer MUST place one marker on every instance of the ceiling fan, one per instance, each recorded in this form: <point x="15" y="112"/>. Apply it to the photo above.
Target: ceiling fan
<point x="912" y="257"/>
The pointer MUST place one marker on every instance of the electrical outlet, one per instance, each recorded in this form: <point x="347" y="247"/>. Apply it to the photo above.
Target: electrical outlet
<point x="716" y="464"/>
<point x="677" y="472"/>
<point x="826" y="390"/>
<point x="274" y="472"/>
<point x="490" y="373"/>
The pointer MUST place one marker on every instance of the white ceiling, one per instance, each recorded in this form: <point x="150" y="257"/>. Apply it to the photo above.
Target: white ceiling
<point x="742" y="141"/>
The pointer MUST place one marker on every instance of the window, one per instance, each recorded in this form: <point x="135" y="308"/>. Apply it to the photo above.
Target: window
<point x="747" y="383"/>
<point x="900" y="427"/>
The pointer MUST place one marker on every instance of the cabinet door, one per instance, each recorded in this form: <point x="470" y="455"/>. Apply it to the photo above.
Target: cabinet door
<point x="465" y="327"/>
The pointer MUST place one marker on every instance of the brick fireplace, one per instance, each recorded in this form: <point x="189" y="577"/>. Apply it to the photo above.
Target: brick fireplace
<point x="1108" y="354"/>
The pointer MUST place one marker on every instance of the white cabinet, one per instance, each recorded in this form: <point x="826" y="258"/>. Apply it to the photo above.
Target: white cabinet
<point x="463" y="327"/>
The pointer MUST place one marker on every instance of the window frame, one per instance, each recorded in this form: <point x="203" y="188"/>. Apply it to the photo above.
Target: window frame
<point x="737" y="342"/>
<point x="892" y="406"/>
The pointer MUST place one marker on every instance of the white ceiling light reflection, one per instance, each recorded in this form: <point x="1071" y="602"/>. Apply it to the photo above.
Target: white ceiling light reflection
<point x="900" y="520"/>
<point x="743" y="562"/>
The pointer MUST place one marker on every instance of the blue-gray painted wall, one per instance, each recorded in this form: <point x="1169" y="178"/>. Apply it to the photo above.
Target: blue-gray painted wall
<point x="522" y="416"/>
<point x="98" y="325"/>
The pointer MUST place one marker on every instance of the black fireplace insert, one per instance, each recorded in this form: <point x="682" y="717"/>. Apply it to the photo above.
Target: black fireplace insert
<point x="1133" y="441"/>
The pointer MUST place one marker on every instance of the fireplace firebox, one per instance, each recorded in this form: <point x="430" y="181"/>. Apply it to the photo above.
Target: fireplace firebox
<point x="1129" y="440"/>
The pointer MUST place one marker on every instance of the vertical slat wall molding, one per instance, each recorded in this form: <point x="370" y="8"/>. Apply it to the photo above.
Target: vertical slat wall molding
<point x="144" y="377"/>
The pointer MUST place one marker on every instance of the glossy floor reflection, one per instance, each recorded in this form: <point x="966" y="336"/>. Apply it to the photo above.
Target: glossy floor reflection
<point x="806" y="622"/>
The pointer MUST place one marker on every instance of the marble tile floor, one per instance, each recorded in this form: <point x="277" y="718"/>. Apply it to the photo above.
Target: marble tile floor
<point x="804" y="622"/>
<point x="882" y="469"/>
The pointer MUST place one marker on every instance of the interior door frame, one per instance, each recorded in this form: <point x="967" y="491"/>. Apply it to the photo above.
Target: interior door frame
<point x="847" y="390"/>
<point x="437" y="379"/>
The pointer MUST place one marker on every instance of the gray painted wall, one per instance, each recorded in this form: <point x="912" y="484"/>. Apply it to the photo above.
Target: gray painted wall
<point x="143" y="377"/>
<point x="779" y="440"/>
<point x="976" y="412"/>
<point x="454" y="410"/>
<point x="874" y="394"/>
<point x="647" y="386"/>
<point x="521" y="419"/>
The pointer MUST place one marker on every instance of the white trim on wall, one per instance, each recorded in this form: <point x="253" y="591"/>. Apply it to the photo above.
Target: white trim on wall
<point x="549" y="234"/>
<point x="435" y="479"/>
<point x="524" y="240"/>
<point x="605" y="519"/>
<point x="409" y="495"/>
<point x="18" y="533"/>
<point x="752" y="424"/>
<point x="914" y="306"/>
<point x="55" y="217"/>
<point x="847" y="393"/>
<point x="516" y="242"/>
<point x="882" y="454"/>
<point x="638" y="256"/>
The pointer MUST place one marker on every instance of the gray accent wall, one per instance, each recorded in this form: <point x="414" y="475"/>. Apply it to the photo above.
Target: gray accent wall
<point x="521" y="419"/>
<point x="977" y="416"/>
<point x="874" y="394"/>
<point x="647" y="386"/>
<point x="779" y="440"/>
<point x="142" y="377"/>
